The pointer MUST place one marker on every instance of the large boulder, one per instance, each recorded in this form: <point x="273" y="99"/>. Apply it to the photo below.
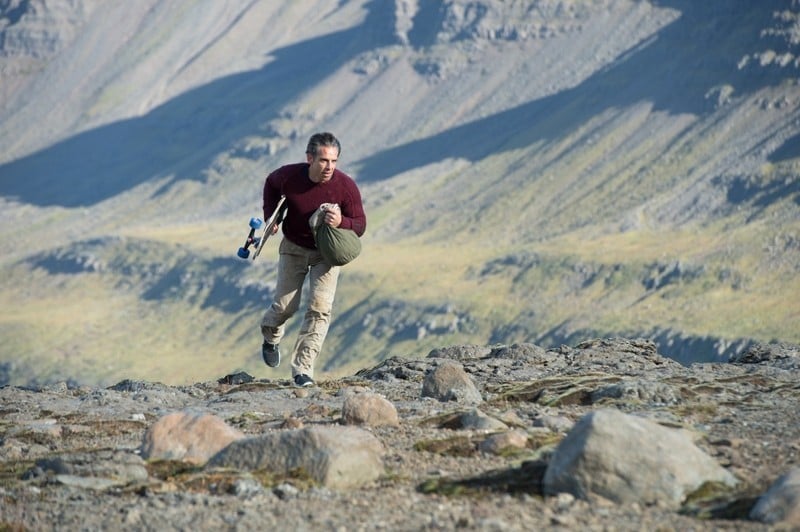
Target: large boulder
<point x="335" y="457"/>
<point x="630" y="459"/>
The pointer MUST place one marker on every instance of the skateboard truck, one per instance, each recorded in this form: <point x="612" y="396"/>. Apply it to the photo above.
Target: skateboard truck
<point x="252" y="239"/>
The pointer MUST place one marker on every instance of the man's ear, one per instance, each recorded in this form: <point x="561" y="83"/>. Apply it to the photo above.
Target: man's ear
<point x="309" y="158"/>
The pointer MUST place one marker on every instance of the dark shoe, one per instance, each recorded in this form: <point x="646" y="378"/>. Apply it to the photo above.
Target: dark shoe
<point x="303" y="381"/>
<point x="271" y="354"/>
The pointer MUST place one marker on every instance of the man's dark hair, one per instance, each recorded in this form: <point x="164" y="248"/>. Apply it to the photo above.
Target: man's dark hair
<point x="318" y="140"/>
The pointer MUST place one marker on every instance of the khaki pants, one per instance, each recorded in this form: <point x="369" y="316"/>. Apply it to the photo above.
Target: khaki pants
<point x="297" y="262"/>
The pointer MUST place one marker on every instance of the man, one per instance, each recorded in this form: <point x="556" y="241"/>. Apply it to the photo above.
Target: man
<point x="306" y="187"/>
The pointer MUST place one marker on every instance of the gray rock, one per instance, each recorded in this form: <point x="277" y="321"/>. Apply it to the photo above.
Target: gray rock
<point x="369" y="409"/>
<point x="190" y="436"/>
<point x="246" y="487"/>
<point x="460" y="352"/>
<point x="783" y="355"/>
<point x="95" y="470"/>
<point x="554" y="423"/>
<point x="449" y="382"/>
<point x="477" y="420"/>
<point x="630" y="460"/>
<point x="646" y="391"/>
<point x="87" y="483"/>
<point x="781" y="503"/>
<point x="393" y="369"/>
<point x="504" y="441"/>
<point x="336" y="457"/>
<point x="524" y="352"/>
<point x="619" y="353"/>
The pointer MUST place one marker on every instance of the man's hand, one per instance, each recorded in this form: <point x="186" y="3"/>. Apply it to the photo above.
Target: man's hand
<point x="333" y="217"/>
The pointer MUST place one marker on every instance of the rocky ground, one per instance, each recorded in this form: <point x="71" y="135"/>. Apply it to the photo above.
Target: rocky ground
<point x="71" y="457"/>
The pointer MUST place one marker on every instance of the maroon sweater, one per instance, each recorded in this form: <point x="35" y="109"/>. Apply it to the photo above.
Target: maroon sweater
<point x="304" y="197"/>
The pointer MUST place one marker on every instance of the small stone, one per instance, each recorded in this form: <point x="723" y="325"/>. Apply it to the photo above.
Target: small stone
<point x="369" y="409"/>
<point x="449" y="382"/>
<point x="504" y="441"/>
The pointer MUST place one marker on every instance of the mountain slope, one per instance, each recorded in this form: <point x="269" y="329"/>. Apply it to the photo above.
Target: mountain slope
<point x="533" y="171"/>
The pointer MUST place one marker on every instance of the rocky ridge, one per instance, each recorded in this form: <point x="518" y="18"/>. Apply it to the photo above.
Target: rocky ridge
<point x="608" y="434"/>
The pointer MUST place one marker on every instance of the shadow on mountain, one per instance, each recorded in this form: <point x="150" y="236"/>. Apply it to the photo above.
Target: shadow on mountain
<point x="674" y="70"/>
<point x="790" y="149"/>
<point x="762" y="193"/>
<point x="160" y="273"/>
<point x="213" y="284"/>
<point x="178" y="140"/>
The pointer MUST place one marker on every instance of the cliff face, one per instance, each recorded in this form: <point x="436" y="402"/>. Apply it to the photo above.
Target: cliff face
<point x="534" y="171"/>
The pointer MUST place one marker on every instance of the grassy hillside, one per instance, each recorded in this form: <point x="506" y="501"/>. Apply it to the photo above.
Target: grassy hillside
<point x="531" y="174"/>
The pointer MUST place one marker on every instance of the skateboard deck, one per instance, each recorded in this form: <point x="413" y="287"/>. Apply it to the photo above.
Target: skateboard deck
<point x="274" y="220"/>
<point x="255" y="225"/>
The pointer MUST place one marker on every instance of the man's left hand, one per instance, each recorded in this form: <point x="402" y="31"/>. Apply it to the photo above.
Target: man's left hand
<point x="333" y="217"/>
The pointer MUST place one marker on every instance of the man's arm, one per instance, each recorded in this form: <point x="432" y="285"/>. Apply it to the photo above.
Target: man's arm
<point x="272" y="194"/>
<point x="353" y="216"/>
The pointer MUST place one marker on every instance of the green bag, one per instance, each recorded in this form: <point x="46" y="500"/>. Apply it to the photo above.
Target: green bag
<point x="336" y="245"/>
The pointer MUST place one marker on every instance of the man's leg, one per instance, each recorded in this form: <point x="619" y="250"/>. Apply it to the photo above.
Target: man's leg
<point x="292" y="270"/>
<point x="323" y="280"/>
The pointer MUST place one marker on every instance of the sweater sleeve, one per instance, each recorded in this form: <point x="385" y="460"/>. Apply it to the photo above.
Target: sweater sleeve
<point x="353" y="216"/>
<point x="272" y="193"/>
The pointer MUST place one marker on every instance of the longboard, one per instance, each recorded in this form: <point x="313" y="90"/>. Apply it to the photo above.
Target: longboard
<point x="269" y="229"/>
<point x="274" y="220"/>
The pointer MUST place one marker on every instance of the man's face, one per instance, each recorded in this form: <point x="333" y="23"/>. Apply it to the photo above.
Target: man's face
<point x="322" y="166"/>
